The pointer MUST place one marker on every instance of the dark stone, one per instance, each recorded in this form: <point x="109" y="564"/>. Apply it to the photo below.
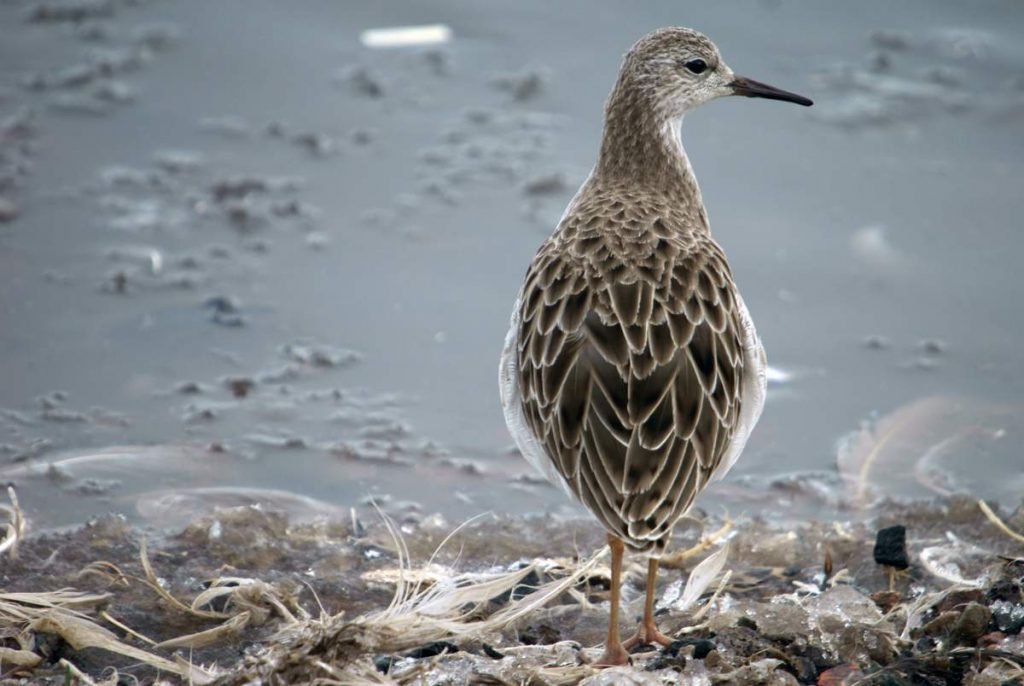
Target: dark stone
<point x="1009" y="618"/>
<point x="432" y="649"/>
<point x="1007" y="590"/>
<point x="747" y="623"/>
<point x="240" y="386"/>
<point x="525" y="587"/>
<point x="51" y="646"/>
<point x="891" y="547"/>
<point x="219" y="603"/>
<point x="666" y="661"/>
<point x="222" y="304"/>
<point x="383" y="663"/>
<point x="818" y="657"/>
<point x="701" y="647"/>
<point x="803" y="669"/>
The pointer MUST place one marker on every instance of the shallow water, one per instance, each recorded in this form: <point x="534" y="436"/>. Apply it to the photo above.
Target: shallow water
<point x="232" y="226"/>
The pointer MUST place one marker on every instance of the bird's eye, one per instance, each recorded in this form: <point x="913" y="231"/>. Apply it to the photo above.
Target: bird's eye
<point x="696" y="66"/>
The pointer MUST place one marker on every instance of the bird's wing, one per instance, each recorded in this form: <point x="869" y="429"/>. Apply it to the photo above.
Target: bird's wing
<point x="630" y="368"/>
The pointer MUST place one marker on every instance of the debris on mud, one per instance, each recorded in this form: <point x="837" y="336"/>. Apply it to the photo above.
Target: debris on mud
<point x="246" y="594"/>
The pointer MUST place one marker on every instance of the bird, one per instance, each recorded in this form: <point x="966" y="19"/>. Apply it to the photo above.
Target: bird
<point x="632" y="373"/>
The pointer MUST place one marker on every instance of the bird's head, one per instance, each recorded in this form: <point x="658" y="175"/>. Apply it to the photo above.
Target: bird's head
<point x="680" y="69"/>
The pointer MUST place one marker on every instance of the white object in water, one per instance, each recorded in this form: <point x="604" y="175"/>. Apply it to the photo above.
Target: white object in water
<point x="404" y="36"/>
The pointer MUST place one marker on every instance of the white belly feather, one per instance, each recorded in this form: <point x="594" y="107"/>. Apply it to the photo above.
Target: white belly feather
<point x="522" y="434"/>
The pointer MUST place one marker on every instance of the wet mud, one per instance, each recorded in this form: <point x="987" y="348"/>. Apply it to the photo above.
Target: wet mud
<point x="291" y="600"/>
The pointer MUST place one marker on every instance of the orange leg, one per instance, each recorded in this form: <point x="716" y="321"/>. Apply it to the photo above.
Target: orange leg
<point x="614" y="654"/>
<point x="647" y="633"/>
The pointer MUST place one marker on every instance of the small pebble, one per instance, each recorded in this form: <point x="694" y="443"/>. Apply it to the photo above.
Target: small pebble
<point x="972" y="624"/>
<point x="886" y="600"/>
<point x="522" y="86"/>
<point x="240" y="386"/>
<point x="384" y="663"/>
<point x="361" y="136"/>
<point x="876" y="342"/>
<point x="1009" y="617"/>
<point x="432" y="649"/>
<point x="547" y="184"/>
<point x="363" y="81"/>
<point x="188" y="388"/>
<point x="8" y="211"/>
<point x="221" y="304"/>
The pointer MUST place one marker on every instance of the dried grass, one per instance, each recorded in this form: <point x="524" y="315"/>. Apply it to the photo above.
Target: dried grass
<point x="429" y="603"/>
<point x="418" y="614"/>
<point x="15" y="527"/>
<point x="998" y="523"/>
<point x="65" y="613"/>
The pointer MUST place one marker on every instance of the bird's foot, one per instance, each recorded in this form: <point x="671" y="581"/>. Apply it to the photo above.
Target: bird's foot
<point x="613" y="656"/>
<point x="647" y="634"/>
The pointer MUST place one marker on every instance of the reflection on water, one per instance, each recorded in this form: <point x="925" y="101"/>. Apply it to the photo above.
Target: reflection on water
<point x="290" y="279"/>
<point x="936" y="446"/>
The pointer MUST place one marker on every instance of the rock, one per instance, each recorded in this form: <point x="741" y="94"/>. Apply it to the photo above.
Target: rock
<point x="958" y="600"/>
<point x="240" y="386"/>
<point x="383" y="663"/>
<point x="859" y="642"/>
<point x="841" y="606"/>
<point x="777" y="620"/>
<point x="876" y="342"/>
<point x="843" y="675"/>
<point x="522" y="86"/>
<point x="622" y="676"/>
<point x="1009" y="617"/>
<point x="931" y="346"/>
<point x="8" y="211"/>
<point x="432" y="649"/>
<point x="701" y="647"/>
<point x="547" y="184"/>
<point x="362" y="81"/>
<point x="972" y="625"/>
<point x="941" y="624"/>
<point x="886" y="600"/>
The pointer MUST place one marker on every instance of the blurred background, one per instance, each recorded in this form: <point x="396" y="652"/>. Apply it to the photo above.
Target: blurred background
<point x="266" y="252"/>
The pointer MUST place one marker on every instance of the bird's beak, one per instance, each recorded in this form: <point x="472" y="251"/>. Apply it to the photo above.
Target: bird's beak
<point x="755" y="89"/>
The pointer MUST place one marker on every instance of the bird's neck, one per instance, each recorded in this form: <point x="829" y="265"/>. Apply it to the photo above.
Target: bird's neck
<point x="641" y="149"/>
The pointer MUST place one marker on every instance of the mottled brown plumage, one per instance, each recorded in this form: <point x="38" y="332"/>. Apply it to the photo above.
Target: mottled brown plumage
<point x="629" y="358"/>
<point x="632" y="373"/>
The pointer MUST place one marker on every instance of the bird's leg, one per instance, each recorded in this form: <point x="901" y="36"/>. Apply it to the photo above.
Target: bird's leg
<point x="647" y="633"/>
<point x="614" y="654"/>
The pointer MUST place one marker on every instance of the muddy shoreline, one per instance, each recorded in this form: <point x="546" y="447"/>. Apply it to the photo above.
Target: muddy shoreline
<point x="245" y="229"/>
<point x="813" y="601"/>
